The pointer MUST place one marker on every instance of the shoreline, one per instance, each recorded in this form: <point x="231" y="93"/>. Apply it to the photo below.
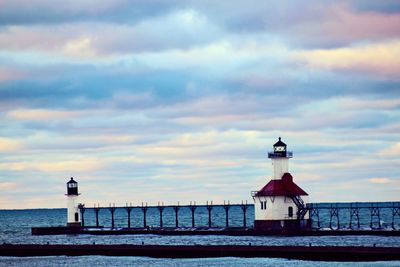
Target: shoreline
<point x="313" y="253"/>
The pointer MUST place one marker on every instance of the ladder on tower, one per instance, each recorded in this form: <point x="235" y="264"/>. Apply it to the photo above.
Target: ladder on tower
<point x="302" y="209"/>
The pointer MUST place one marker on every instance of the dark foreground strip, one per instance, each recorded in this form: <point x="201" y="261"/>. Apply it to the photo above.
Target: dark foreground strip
<point x="166" y="251"/>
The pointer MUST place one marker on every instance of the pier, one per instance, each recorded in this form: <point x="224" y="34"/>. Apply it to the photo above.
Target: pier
<point x="341" y="215"/>
<point x="160" y="211"/>
<point x="362" y="218"/>
<point x="356" y="215"/>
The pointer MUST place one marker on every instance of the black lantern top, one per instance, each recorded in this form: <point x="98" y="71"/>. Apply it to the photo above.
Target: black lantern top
<point x="279" y="146"/>
<point x="72" y="187"/>
<point x="280" y="150"/>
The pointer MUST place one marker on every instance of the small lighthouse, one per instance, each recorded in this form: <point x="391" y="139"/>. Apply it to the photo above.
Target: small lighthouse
<point x="73" y="216"/>
<point x="279" y="204"/>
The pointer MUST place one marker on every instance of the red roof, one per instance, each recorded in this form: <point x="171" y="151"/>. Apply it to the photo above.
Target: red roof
<point x="282" y="187"/>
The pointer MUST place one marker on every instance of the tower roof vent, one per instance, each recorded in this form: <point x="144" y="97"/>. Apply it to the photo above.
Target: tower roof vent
<point x="72" y="181"/>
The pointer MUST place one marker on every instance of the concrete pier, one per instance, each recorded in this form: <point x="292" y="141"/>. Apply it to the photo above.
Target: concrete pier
<point x="319" y="253"/>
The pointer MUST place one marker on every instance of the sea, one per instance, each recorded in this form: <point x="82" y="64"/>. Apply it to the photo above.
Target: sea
<point x="15" y="228"/>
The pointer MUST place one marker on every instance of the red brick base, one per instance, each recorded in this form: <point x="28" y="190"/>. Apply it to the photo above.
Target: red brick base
<point x="74" y="224"/>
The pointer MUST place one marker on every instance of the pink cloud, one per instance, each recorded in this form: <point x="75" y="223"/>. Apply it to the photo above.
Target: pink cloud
<point x="10" y="74"/>
<point x="42" y="114"/>
<point x="8" y="185"/>
<point x="365" y="25"/>
<point x="341" y="25"/>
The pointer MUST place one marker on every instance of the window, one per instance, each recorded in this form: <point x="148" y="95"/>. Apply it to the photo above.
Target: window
<point x="263" y="205"/>
<point x="290" y="211"/>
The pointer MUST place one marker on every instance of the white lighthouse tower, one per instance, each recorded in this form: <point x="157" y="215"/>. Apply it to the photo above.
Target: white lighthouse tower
<point x="279" y="204"/>
<point x="73" y="214"/>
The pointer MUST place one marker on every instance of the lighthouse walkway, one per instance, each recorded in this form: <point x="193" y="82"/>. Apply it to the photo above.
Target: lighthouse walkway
<point x="362" y="218"/>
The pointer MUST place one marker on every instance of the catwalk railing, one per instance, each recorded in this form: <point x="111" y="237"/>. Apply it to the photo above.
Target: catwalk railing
<point x="161" y="208"/>
<point x="360" y="215"/>
<point x="356" y="215"/>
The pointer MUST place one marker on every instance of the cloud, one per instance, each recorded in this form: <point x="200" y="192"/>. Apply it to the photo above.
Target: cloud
<point x="388" y="6"/>
<point x="189" y="96"/>
<point x="83" y="165"/>
<point x="311" y="24"/>
<point x="379" y="180"/>
<point x="332" y="23"/>
<point x="98" y="39"/>
<point x="8" y="186"/>
<point x="41" y="114"/>
<point x="80" y="48"/>
<point x="8" y="145"/>
<point x="343" y="26"/>
<point x="10" y="74"/>
<point x="374" y="59"/>
<point x="20" y="12"/>
<point x="392" y="151"/>
<point x="373" y="104"/>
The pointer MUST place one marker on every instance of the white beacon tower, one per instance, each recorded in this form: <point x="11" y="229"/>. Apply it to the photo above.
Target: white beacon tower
<point x="73" y="214"/>
<point x="280" y="159"/>
<point x="278" y="205"/>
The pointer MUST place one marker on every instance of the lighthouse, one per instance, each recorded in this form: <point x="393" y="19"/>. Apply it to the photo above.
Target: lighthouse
<point x="280" y="204"/>
<point x="73" y="216"/>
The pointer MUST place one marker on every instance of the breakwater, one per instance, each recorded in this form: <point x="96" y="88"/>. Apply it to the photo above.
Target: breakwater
<point x="167" y="251"/>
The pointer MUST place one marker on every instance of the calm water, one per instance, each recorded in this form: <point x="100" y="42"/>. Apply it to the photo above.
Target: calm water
<point x="15" y="227"/>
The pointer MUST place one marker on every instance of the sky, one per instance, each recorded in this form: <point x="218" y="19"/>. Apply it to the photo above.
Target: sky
<point x="148" y="101"/>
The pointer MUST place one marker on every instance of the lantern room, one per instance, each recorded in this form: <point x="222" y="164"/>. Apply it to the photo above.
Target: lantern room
<point x="72" y="187"/>
<point x="280" y="150"/>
